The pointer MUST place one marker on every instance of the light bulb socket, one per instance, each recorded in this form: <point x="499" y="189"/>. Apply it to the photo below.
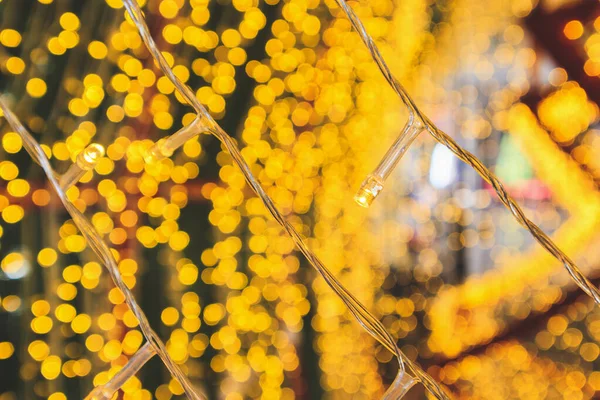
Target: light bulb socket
<point x="400" y="386"/>
<point x="157" y="152"/>
<point x="166" y="147"/>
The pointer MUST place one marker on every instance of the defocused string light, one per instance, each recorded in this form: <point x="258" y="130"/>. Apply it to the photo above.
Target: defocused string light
<point x="303" y="138"/>
<point x="515" y="281"/>
<point x="369" y="322"/>
<point x="496" y="371"/>
<point x="403" y="382"/>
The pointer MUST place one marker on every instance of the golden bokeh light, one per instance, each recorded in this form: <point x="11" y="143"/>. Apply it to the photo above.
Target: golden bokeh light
<point x="436" y="259"/>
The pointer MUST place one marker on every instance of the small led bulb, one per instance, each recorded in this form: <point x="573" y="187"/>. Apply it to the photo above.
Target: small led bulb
<point x="373" y="184"/>
<point x="165" y="147"/>
<point x="86" y="161"/>
<point x="369" y="189"/>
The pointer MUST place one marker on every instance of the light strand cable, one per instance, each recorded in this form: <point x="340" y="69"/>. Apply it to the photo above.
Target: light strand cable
<point x="100" y="248"/>
<point x="236" y="155"/>
<point x="137" y="17"/>
<point x="417" y="117"/>
<point x="371" y="324"/>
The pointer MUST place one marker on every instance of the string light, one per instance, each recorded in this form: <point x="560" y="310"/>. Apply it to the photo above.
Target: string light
<point x="125" y="147"/>
<point x="161" y="150"/>
<point x="364" y="196"/>
<point x="414" y="244"/>
<point x="373" y="184"/>
<point x="363" y="316"/>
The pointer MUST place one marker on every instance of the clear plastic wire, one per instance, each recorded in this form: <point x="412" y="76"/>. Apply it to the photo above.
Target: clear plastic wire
<point x="99" y="247"/>
<point x="416" y="117"/>
<point x="371" y="324"/>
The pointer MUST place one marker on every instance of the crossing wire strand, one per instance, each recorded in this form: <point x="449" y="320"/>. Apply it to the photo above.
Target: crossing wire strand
<point x="363" y="316"/>
<point x="369" y="322"/>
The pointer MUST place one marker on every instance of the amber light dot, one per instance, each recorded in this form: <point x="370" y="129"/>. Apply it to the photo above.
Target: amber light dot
<point x="573" y="29"/>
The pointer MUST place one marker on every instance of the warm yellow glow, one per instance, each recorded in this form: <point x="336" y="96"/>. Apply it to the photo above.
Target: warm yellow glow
<point x="310" y="102"/>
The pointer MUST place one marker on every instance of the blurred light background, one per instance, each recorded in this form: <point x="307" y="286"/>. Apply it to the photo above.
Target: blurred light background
<point x="438" y="259"/>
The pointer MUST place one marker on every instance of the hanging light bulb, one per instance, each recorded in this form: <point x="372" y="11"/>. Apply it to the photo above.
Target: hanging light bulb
<point x="373" y="184"/>
<point x="86" y="161"/>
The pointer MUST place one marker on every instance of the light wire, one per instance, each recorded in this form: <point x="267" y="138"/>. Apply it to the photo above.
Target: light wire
<point x="417" y="117"/>
<point x="371" y="324"/>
